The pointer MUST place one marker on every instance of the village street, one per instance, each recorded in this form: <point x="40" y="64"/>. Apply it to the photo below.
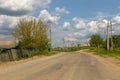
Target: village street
<point x="64" y="66"/>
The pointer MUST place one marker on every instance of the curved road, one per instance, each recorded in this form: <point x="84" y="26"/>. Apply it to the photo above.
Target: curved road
<point x="65" y="66"/>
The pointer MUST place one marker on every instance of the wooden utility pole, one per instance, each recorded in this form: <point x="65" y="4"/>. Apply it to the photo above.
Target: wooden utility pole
<point x="111" y="47"/>
<point x="50" y="37"/>
<point x="109" y="36"/>
<point x="63" y="44"/>
<point x="50" y="31"/>
<point x="68" y="45"/>
<point x="108" y="42"/>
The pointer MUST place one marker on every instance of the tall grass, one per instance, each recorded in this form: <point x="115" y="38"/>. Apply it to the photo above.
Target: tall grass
<point x="105" y="53"/>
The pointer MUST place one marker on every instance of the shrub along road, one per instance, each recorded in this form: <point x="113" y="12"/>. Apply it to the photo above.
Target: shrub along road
<point x="64" y="66"/>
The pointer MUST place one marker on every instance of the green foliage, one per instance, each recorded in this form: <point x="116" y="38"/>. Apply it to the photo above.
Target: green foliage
<point x="116" y="41"/>
<point x="49" y="53"/>
<point x="70" y="49"/>
<point x="96" y="41"/>
<point x="32" y="33"/>
<point x="103" y="51"/>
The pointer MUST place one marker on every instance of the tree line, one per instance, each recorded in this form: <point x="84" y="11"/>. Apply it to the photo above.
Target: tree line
<point x="97" y="41"/>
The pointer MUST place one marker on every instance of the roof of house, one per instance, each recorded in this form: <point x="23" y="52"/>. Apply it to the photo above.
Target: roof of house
<point x="8" y="44"/>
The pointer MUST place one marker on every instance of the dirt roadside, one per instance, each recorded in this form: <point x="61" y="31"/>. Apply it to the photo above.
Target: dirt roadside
<point x="114" y="62"/>
<point x="4" y="65"/>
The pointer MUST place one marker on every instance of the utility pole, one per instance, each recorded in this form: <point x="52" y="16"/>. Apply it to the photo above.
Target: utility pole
<point x="63" y="44"/>
<point x="109" y="36"/>
<point x="68" y="45"/>
<point x="50" y="31"/>
<point x="50" y="37"/>
<point x="108" y="42"/>
<point x="111" y="48"/>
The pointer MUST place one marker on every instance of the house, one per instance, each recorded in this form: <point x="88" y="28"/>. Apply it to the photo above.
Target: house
<point x="10" y="50"/>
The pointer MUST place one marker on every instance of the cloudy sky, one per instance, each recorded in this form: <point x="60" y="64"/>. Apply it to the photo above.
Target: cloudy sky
<point x="73" y="20"/>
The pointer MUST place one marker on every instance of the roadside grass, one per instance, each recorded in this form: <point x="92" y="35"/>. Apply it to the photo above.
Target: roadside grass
<point x="49" y="53"/>
<point x="104" y="53"/>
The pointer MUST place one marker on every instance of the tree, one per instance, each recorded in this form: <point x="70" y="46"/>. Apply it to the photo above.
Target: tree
<point x="32" y="33"/>
<point x="116" y="41"/>
<point x="96" y="41"/>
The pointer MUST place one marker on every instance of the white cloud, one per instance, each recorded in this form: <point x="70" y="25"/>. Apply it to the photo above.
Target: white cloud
<point x="16" y="4"/>
<point x="116" y="19"/>
<point x="75" y="19"/>
<point x="105" y="21"/>
<point x="61" y="11"/>
<point x="8" y="21"/>
<point x="46" y="16"/>
<point x="102" y="23"/>
<point x="70" y="35"/>
<point x="79" y="34"/>
<point x="93" y="26"/>
<point x="70" y="39"/>
<point x="79" y="23"/>
<point x="66" y="24"/>
<point x="18" y="8"/>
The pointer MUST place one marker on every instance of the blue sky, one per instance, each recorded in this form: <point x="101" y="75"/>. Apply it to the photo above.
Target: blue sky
<point x="73" y="20"/>
<point x="87" y="8"/>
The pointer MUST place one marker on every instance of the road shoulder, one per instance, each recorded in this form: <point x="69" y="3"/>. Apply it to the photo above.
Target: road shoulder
<point x="109" y="61"/>
<point x="5" y="65"/>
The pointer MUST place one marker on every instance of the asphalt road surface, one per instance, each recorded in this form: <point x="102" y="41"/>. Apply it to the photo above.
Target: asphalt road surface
<point x="65" y="66"/>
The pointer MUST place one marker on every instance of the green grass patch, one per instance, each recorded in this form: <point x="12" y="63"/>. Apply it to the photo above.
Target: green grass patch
<point x="49" y="53"/>
<point x="103" y="52"/>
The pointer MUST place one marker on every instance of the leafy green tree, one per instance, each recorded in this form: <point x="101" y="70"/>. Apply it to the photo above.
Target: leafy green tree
<point x="96" y="41"/>
<point x="116" y="41"/>
<point x="32" y="33"/>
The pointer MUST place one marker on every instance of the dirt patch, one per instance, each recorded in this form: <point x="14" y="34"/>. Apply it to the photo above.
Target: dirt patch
<point x="13" y="63"/>
<point x="113" y="60"/>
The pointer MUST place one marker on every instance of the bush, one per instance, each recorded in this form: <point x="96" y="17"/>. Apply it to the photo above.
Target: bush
<point x="47" y="53"/>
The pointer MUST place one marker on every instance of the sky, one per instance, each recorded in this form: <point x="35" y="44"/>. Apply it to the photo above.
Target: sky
<point x="73" y="20"/>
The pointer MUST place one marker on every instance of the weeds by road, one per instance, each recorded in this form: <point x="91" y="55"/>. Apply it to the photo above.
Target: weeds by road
<point x="104" y="53"/>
